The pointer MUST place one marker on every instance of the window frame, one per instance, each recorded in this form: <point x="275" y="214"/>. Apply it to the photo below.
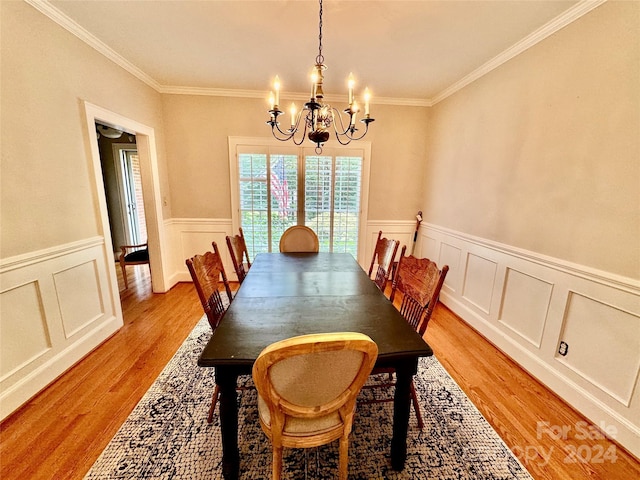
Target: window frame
<point x="264" y="144"/>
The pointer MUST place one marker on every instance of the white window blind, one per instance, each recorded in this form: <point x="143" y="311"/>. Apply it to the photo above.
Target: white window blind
<point x="282" y="187"/>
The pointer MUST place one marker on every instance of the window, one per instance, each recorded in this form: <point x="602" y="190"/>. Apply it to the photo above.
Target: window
<point x="129" y="187"/>
<point x="277" y="186"/>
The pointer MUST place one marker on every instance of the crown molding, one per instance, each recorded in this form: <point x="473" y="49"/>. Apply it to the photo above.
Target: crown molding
<point x="561" y="21"/>
<point x="213" y="92"/>
<point x="408" y="102"/>
<point x="581" y="8"/>
<point x="44" y="7"/>
<point x="302" y="97"/>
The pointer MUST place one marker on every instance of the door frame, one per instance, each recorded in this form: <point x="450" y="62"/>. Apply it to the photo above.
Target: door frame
<point x="146" y="146"/>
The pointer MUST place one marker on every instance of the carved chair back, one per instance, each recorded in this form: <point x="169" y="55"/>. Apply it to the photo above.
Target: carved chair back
<point x="383" y="255"/>
<point x="419" y="281"/>
<point x="239" y="255"/>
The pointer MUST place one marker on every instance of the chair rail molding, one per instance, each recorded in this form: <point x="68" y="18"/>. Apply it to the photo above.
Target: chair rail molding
<point x="550" y="316"/>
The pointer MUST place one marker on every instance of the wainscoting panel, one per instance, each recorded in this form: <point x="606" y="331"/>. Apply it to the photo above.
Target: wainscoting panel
<point x="593" y="328"/>
<point x="56" y="305"/>
<point x="479" y="282"/>
<point x="450" y="255"/>
<point x="79" y="296"/>
<point x="428" y="248"/>
<point x="525" y="303"/>
<point x="574" y="328"/>
<point x="191" y="236"/>
<point x="22" y="317"/>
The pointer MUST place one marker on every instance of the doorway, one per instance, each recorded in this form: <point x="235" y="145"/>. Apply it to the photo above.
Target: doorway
<point x="120" y="167"/>
<point x="150" y="186"/>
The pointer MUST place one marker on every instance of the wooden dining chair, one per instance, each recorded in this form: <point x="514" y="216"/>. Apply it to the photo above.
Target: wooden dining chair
<point x="383" y="256"/>
<point x="307" y="389"/>
<point x="206" y="271"/>
<point x="132" y="255"/>
<point x="418" y="281"/>
<point x="417" y="284"/>
<point x="239" y="255"/>
<point x="299" y="238"/>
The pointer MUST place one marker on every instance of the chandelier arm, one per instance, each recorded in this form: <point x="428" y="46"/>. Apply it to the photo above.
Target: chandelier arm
<point x="289" y="134"/>
<point x="287" y="137"/>
<point x="342" y="130"/>
<point x="283" y="137"/>
<point x="298" y="142"/>
<point x="295" y="130"/>
<point x="275" y="125"/>
<point x="353" y="130"/>
<point x="340" y="140"/>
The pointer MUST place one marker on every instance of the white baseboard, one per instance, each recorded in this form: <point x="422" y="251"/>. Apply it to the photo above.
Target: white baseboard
<point x="28" y="386"/>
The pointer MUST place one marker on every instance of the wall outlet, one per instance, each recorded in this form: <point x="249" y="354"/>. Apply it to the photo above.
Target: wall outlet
<point x="564" y="348"/>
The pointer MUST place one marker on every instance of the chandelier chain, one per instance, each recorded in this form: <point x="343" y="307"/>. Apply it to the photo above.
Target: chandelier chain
<point x="320" y="57"/>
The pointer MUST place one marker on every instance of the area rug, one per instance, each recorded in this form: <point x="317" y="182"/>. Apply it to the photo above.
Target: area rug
<point x="167" y="435"/>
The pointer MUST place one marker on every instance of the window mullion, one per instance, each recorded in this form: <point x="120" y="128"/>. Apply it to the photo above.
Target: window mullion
<point x="333" y="200"/>
<point x="302" y="214"/>
<point x="268" y="174"/>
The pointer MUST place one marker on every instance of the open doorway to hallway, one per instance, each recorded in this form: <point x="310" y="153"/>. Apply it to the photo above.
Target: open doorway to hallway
<point x="145" y="139"/>
<point x="120" y="166"/>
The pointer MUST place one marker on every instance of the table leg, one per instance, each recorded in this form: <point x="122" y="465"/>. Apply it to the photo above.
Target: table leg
<point x="226" y="380"/>
<point x="401" y="410"/>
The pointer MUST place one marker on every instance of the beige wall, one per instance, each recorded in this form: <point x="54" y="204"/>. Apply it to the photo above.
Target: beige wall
<point x="198" y="128"/>
<point x="47" y="192"/>
<point x="540" y="154"/>
<point x="544" y="152"/>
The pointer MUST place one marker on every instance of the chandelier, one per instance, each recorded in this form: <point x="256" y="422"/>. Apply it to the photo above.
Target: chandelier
<point x="317" y="117"/>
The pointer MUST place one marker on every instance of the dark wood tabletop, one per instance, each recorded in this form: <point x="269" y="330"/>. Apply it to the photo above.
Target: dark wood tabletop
<point x="290" y="294"/>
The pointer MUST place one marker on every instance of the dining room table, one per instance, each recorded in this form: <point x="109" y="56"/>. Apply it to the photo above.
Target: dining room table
<point x="289" y="294"/>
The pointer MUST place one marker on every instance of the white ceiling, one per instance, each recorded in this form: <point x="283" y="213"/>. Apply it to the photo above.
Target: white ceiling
<point x="411" y="50"/>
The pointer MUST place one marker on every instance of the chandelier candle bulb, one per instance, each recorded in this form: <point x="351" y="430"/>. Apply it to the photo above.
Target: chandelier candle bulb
<point x="293" y="115"/>
<point x="367" y="97"/>
<point x="276" y="87"/>
<point x="271" y="100"/>
<point x="351" y="83"/>
<point x="354" y="113"/>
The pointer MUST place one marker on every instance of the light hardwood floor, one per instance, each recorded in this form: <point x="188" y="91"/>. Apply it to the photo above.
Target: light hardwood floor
<point x="60" y="432"/>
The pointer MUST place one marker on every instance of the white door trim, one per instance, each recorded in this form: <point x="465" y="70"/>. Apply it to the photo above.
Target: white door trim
<point x="146" y="146"/>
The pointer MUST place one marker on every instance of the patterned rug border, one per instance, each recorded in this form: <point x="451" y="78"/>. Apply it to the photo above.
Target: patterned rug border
<point x="166" y="435"/>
